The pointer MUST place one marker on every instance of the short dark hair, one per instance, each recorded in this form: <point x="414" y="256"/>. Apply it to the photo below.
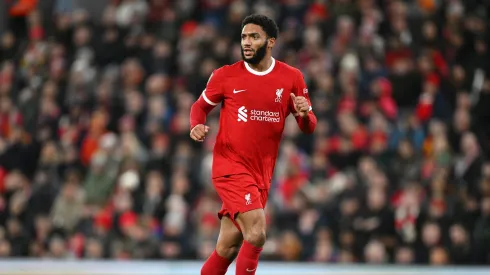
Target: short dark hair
<point x="269" y="25"/>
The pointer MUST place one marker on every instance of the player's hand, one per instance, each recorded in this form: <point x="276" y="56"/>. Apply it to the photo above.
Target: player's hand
<point x="199" y="132"/>
<point x="301" y="105"/>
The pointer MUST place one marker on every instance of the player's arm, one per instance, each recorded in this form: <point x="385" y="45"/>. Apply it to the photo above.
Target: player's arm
<point x="210" y="97"/>
<point x="300" y="106"/>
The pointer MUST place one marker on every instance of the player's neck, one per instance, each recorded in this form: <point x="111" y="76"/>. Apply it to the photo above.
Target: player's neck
<point x="263" y="65"/>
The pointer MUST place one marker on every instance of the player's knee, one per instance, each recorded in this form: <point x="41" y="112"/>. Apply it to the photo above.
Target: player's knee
<point x="227" y="251"/>
<point x="256" y="235"/>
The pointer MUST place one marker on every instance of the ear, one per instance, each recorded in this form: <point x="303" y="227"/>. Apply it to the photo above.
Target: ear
<point x="272" y="42"/>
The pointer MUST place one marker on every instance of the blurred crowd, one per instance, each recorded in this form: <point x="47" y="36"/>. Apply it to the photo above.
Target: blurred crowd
<point x="96" y="161"/>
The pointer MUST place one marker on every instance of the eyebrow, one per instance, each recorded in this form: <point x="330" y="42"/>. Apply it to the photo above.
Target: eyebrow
<point x="251" y="34"/>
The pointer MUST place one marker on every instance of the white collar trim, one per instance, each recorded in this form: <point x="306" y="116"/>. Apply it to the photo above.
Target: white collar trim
<point x="247" y="66"/>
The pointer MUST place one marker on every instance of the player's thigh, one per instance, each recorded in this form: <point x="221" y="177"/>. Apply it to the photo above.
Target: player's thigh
<point x="229" y="235"/>
<point x="255" y="217"/>
<point x="252" y="223"/>
<point x="229" y="240"/>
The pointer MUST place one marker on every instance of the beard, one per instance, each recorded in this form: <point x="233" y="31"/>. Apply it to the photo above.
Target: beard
<point x="258" y="56"/>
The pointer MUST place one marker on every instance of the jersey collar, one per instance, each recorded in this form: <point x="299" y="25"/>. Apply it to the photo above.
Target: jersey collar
<point x="260" y="73"/>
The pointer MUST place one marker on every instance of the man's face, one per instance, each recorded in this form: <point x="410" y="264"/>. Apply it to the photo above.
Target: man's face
<point x="255" y="43"/>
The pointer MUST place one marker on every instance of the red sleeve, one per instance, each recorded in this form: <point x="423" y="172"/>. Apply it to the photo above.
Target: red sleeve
<point x="306" y="124"/>
<point x="210" y="97"/>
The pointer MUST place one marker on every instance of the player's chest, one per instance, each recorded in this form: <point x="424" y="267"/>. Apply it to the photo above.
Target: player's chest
<point x="266" y="94"/>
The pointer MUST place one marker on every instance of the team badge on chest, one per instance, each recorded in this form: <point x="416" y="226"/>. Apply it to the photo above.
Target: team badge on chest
<point x="279" y="95"/>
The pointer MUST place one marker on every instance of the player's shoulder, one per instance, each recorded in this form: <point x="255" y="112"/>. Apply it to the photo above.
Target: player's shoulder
<point x="228" y="70"/>
<point x="287" y="69"/>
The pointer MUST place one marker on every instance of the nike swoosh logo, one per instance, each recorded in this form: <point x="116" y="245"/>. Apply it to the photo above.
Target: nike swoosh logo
<point x="250" y="270"/>
<point x="238" y="91"/>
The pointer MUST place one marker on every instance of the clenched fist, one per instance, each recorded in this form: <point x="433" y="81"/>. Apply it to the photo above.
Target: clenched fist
<point x="301" y="105"/>
<point x="199" y="132"/>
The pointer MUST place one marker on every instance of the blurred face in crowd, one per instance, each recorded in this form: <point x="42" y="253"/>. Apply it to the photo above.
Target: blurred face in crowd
<point x="463" y="101"/>
<point x="154" y="186"/>
<point x="14" y="227"/>
<point x="485" y="207"/>
<point x="405" y="149"/>
<point x="8" y="40"/>
<point x="157" y="84"/>
<point x="439" y="256"/>
<point x="349" y="206"/>
<point x="458" y="235"/>
<point x="57" y="247"/>
<point x="404" y="255"/>
<point x="94" y="249"/>
<point x="375" y="252"/>
<point x="376" y="198"/>
<point x="82" y="36"/>
<point x="5" y="248"/>
<point x="43" y="226"/>
<point x="290" y="246"/>
<point x="367" y="166"/>
<point x="431" y="234"/>
<point x="461" y="120"/>
<point x="70" y="191"/>
<point x="486" y="170"/>
<point x="17" y="203"/>
<point x="255" y="44"/>
<point x="172" y="250"/>
<point x="469" y="144"/>
<point x="429" y="31"/>
<point x="347" y="239"/>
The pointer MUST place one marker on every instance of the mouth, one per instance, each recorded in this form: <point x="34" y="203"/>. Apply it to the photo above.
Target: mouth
<point x="248" y="52"/>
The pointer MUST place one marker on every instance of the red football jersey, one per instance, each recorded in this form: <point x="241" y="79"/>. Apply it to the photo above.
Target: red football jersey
<point x="253" y="113"/>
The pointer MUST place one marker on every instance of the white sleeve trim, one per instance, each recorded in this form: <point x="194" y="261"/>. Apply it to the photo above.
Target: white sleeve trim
<point x="207" y="99"/>
<point x="296" y="114"/>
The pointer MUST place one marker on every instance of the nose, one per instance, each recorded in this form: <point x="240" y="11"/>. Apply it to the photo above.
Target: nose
<point x="246" y="42"/>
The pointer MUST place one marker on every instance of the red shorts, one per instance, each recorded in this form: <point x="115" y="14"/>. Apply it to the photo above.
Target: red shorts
<point x="239" y="194"/>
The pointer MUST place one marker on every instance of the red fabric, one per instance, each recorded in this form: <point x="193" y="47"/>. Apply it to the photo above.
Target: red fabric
<point x="439" y="204"/>
<point x="128" y="219"/>
<point x="3" y="175"/>
<point x="433" y="79"/>
<point x="209" y="219"/>
<point x="199" y="110"/>
<point x="215" y="265"/>
<point x="385" y="87"/>
<point x="333" y="145"/>
<point x="239" y="194"/>
<point x="307" y="125"/>
<point x="440" y="63"/>
<point x="425" y="106"/>
<point x="77" y="244"/>
<point x="90" y="145"/>
<point x="104" y="220"/>
<point x="379" y="136"/>
<point x="291" y="185"/>
<point x="393" y="56"/>
<point x="36" y="33"/>
<point x="360" y="138"/>
<point x="8" y="121"/>
<point x="316" y="12"/>
<point x="252" y="117"/>
<point x="188" y="28"/>
<point x="22" y="8"/>
<point x="248" y="259"/>
<point x="388" y="106"/>
<point x="424" y="111"/>
<point x="347" y="105"/>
